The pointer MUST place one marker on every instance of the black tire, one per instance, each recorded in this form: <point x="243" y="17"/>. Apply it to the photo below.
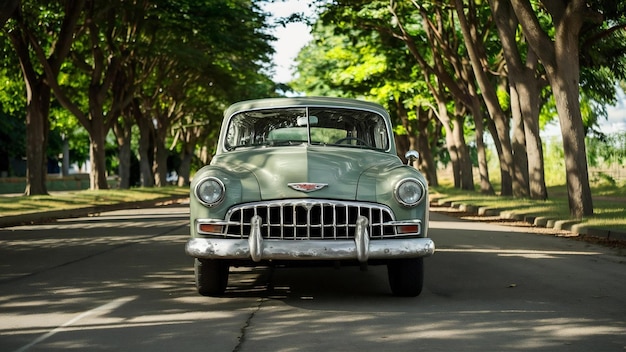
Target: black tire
<point x="406" y="276"/>
<point x="211" y="276"/>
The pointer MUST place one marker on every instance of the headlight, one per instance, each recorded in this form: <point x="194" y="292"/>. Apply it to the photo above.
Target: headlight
<point x="409" y="192"/>
<point x="210" y="191"/>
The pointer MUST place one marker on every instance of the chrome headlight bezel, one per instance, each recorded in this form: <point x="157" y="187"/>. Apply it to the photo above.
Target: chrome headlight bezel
<point x="409" y="192"/>
<point x="210" y="191"/>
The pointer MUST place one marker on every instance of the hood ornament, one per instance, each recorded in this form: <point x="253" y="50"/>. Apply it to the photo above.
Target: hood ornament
<point x="307" y="186"/>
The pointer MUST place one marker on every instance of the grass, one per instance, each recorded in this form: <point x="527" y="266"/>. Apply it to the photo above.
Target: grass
<point x="15" y="205"/>
<point x="609" y="203"/>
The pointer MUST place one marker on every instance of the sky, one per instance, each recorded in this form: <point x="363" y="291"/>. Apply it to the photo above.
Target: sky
<point x="292" y="37"/>
<point x="616" y="121"/>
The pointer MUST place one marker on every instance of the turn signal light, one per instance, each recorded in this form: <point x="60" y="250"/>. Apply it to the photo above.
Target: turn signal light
<point x="210" y="228"/>
<point x="408" y="229"/>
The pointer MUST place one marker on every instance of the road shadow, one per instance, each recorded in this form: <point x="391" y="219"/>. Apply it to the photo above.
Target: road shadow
<point x="129" y="285"/>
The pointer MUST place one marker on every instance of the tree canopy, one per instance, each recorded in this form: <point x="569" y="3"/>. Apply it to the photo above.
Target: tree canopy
<point x="483" y="66"/>
<point x="159" y="65"/>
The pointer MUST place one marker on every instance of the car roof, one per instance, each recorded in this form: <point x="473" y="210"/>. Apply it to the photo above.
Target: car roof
<point x="304" y="101"/>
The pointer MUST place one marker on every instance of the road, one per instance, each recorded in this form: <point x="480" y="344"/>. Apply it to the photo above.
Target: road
<point x="121" y="281"/>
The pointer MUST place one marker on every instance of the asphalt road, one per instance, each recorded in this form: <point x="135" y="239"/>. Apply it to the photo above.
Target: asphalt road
<point x="122" y="282"/>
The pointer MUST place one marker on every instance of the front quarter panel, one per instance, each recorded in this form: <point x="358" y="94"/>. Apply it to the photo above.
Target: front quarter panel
<point x="378" y="186"/>
<point x="240" y="185"/>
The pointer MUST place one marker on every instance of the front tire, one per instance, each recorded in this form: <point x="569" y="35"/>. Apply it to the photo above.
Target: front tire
<point x="211" y="276"/>
<point x="406" y="276"/>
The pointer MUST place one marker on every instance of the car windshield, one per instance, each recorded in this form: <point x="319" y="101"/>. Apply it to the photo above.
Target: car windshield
<point x="314" y="125"/>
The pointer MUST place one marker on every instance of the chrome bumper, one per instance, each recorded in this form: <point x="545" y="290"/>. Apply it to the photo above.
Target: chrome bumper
<point x="361" y="248"/>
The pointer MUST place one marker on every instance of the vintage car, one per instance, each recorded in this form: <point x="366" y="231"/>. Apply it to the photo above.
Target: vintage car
<point x="308" y="180"/>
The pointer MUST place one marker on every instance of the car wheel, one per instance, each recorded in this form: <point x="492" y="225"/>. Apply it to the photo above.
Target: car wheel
<point x="406" y="276"/>
<point x="211" y="276"/>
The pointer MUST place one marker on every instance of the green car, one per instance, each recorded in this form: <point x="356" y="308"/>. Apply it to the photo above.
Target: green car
<point x="308" y="180"/>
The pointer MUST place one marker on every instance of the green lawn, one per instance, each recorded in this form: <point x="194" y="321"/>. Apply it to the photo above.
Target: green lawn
<point x="609" y="203"/>
<point x="14" y="205"/>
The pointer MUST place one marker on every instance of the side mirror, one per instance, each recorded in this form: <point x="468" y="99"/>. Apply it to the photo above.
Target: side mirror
<point x="411" y="156"/>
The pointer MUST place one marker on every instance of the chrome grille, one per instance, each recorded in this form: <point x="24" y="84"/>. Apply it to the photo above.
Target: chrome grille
<point x="309" y="219"/>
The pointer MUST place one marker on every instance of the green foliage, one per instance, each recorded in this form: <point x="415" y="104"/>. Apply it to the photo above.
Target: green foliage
<point x="607" y="150"/>
<point x="351" y="58"/>
<point x="12" y="92"/>
<point x="603" y="152"/>
<point x="554" y="162"/>
<point x="79" y="146"/>
<point x="12" y="122"/>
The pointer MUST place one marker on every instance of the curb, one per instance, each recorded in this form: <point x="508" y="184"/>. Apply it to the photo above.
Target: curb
<point x="573" y="226"/>
<point x="51" y="216"/>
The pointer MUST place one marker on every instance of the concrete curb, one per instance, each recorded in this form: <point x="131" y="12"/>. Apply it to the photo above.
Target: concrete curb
<point x="573" y="226"/>
<point x="51" y="216"/>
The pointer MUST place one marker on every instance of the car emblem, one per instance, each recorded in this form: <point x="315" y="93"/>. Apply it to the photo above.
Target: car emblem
<point x="307" y="187"/>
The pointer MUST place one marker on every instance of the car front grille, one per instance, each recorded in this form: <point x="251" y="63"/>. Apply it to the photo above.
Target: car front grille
<point x="309" y="219"/>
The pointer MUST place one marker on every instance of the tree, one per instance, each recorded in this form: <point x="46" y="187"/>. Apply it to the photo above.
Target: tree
<point x="431" y="63"/>
<point x="525" y="84"/>
<point x="123" y="52"/>
<point x="98" y="57"/>
<point x="560" y="57"/>
<point x="218" y="49"/>
<point x="445" y="75"/>
<point x="38" y="30"/>
<point x="511" y="180"/>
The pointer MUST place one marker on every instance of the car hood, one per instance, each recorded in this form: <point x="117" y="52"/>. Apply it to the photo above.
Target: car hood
<point x="338" y="169"/>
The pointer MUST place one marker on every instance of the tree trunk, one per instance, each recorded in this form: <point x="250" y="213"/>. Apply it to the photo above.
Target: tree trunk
<point x="528" y="88"/>
<point x="205" y="155"/>
<point x="145" y="148"/>
<point x="483" y="169"/>
<point x="37" y="124"/>
<point x="572" y="128"/>
<point x="451" y="145"/>
<point x="37" y="129"/>
<point x="561" y="61"/>
<point x="124" y="154"/>
<point x="490" y="98"/>
<point x="160" y="164"/>
<point x="66" y="157"/>
<point x="184" y="171"/>
<point x="97" y="137"/>
<point x="465" y="162"/>
<point x="534" y="147"/>
<point x="526" y="84"/>
<point x="565" y="84"/>
<point x="122" y="130"/>
<point x="427" y="162"/>
<point x="518" y="145"/>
